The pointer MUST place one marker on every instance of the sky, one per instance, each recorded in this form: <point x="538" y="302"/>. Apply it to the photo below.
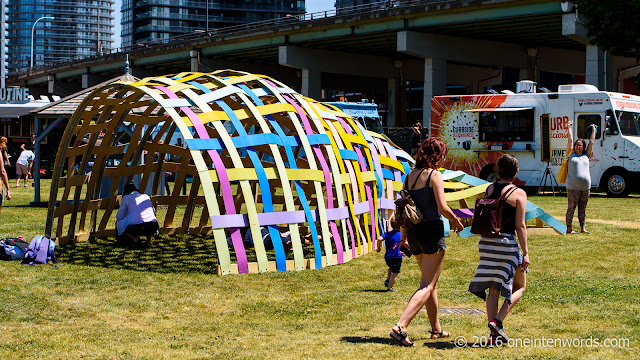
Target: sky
<point x="319" y="5"/>
<point x="311" y="5"/>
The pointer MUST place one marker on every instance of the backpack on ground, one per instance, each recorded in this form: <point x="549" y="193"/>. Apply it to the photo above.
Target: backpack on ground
<point x="40" y="250"/>
<point x="13" y="248"/>
<point x="487" y="216"/>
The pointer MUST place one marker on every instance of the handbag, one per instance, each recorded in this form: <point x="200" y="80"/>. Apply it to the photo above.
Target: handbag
<point x="407" y="214"/>
<point x="562" y="173"/>
<point x="487" y="215"/>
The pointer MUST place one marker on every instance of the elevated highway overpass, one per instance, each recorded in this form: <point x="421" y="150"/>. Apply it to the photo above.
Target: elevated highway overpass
<point x="463" y="43"/>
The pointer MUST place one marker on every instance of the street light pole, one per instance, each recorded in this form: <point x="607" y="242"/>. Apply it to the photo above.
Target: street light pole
<point x="207" y="1"/>
<point x="2" y="45"/>
<point x="33" y="28"/>
<point x="99" y="49"/>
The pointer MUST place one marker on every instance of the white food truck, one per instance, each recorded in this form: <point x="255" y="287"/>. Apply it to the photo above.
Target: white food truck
<point x="532" y="126"/>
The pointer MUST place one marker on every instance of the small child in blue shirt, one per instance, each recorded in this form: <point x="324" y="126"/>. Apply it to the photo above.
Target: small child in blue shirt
<point x="393" y="254"/>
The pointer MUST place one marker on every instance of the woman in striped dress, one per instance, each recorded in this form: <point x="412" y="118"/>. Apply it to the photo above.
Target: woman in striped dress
<point x="502" y="268"/>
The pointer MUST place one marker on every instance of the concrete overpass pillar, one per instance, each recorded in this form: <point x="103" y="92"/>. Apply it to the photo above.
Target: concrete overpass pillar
<point x="311" y="83"/>
<point x="532" y="70"/>
<point x="51" y="83"/>
<point x="85" y="81"/>
<point x="599" y="70"/>
<point x="195" y="55"/>
<point x="435" y="83"/>
<point x="89" y="80"/>
<point x="437" y="49"/>
<point x="314" y="62"/>
<point x="391" y="102"/>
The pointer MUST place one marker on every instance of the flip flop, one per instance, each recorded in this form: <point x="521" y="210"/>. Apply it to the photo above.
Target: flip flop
<point x="573" y="232"/>
<point x="400" y="337"/>
<point x="439" y="334"/>
<point x="586" y="232"/>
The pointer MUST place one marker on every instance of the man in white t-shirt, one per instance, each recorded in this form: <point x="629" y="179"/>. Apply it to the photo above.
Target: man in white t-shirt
<point x="23" y="166"/>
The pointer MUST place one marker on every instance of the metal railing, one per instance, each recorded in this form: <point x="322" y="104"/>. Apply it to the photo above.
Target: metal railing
<point x="264" y="25"/>
<point x="213" y="5"/>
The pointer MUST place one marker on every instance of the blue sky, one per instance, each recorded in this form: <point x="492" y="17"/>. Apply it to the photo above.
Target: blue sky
<point x="319" y="5"/>
<point x="311" y="5"/>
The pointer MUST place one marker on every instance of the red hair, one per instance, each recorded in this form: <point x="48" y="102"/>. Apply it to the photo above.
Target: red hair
<point x="430" y="152"/>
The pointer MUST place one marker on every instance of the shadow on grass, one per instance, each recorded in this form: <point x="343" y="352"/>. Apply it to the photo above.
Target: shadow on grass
<point x="28" y="205"/>
<point x="441" y="345"/>
<point x="167" y="254"/>
<point x="375" y="290"/>
<point x="369" y="339"/>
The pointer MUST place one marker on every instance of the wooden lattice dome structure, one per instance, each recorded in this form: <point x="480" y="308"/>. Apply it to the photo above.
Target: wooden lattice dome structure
<point x="258" y="153"/>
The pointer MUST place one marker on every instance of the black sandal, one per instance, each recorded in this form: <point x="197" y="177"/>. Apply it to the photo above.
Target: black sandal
<point x="439" y="334"/>
<point x="401" y="337"/>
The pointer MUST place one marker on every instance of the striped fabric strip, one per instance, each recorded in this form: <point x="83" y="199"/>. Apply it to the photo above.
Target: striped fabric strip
<point x="243" y="264"/>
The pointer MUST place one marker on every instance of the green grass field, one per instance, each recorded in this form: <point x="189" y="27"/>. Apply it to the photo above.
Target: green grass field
<point x="103" y="302"/>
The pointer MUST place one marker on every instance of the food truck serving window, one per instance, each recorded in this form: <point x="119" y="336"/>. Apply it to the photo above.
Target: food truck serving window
<point x="584" y="125"/>
<point x="505" y="124"/>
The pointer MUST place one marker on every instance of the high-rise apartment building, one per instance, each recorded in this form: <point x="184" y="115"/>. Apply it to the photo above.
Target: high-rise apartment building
<point x="55" y="30"/>
<point x="349" y="6"/>
<point x="150" y="20"/>
<point x="349" y="3"/>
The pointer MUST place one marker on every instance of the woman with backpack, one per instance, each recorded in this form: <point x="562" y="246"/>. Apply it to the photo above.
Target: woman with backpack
<point x="426" y="238"/>
<point x="502" y="268"/>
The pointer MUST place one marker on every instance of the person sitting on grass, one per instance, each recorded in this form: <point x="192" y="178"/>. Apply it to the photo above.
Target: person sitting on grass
<point x="136" y="217"/>
<point x="285" y="238"/>
<point x="393" y="254"/>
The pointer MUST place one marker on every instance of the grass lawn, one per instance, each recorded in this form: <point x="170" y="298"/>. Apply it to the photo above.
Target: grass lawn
<point x="166" y="303"/>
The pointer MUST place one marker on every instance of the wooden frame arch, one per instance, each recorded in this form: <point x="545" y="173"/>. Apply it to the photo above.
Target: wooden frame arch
<point x="260" y="154"/>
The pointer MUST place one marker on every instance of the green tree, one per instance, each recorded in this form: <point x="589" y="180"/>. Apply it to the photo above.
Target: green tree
<point x="612" y="25"/>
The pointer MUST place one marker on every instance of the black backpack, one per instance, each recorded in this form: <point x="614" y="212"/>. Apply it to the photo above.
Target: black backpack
<point x="13" y="248"/>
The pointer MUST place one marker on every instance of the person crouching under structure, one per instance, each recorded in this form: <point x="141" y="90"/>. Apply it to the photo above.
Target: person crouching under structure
<point x="136" y="217"/>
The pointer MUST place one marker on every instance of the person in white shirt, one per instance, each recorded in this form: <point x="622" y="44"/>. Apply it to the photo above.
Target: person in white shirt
<point x="136" y="217"/>
<point x="23" y="166"/>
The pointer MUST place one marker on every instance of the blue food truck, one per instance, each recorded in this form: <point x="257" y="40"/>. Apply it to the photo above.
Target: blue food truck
<point x="365" y="113"/>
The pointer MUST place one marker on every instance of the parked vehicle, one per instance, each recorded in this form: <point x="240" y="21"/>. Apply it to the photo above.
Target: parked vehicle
<point x="532" y="126"/>
<point x="366" y="113"/>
